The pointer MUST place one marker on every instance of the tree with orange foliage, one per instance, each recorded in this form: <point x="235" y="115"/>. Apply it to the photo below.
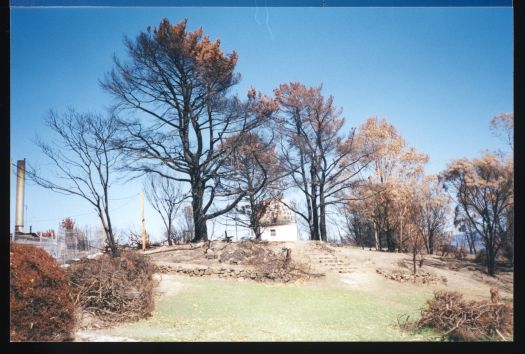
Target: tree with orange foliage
<point x="414" y="239"/>
<point x="178" y="83"/>
<point x="502" y="126"/>
<point x="393" y="164"/>
<point x="321" y="161"/>
<point x="433" y="210"/>
<point x="484" y="192"/>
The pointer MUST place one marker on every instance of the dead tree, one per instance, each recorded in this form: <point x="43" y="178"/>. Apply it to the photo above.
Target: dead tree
<point x="83" y="159"/>
<point x="177" y="82"/>
<point x="165" y="196"/>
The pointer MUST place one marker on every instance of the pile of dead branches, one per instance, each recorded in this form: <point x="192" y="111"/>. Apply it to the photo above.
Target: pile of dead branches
<point x="114" y="289"/>
<point x="268" y="264"/>
<point x="462" y="320"/>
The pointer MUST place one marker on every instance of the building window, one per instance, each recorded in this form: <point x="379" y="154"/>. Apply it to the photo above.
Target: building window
<point x="272" y="232"/>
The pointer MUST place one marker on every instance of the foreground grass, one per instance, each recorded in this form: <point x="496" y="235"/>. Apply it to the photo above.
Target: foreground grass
<point x="213" y="310"/>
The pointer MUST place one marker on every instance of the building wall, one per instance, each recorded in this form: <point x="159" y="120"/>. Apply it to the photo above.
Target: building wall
<point x="286" y="232"/>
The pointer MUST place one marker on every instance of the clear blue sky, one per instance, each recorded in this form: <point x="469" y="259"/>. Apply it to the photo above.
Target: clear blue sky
<point x="438" y="74"/>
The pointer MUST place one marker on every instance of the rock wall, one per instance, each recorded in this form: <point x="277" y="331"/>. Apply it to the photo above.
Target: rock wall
<point x="194" y="270"/>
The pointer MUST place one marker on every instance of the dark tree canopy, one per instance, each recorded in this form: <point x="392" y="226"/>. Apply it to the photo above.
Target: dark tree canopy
<point x="174" y="88"/>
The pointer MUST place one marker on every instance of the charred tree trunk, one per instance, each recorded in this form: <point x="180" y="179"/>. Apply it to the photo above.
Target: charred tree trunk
<point x="400" y="248"/>
<point x="201" y="230"/>
<point x="491" y="260"/>
<point x="255" y="216"/>
<point x="390" y="241"/>
<point x="199" y="219"/>
<point x="170" y="226"/>
<point x="322" y="223"/>
<point x="414" y="254"/>
<point x="322" y="216"/>
<point x="108" y="230"/>
<point x="315" y="222"/>
<point x="431" y="242"/>
<point x="315" y="206"/>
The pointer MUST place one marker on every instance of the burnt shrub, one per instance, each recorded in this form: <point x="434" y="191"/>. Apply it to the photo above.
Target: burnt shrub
<point x="468" y="320"/>
<point x="114" y="289"/>
<point x="40" y="306"/>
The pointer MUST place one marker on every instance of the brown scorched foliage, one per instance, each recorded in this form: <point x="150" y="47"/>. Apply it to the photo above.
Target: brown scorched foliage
<point x="40" y="306"/>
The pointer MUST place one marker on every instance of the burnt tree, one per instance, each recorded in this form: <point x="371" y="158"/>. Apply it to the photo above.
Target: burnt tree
<point x="175" y="88"/>
<point x="166" y="197"/>
<point x="484" y="193"/>
<point x="83" y="157"/>
<point x="255" y="165"/>
<point x="321" y="162"/>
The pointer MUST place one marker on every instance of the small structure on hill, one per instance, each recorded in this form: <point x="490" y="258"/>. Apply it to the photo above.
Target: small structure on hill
<point x="279" y="223"/>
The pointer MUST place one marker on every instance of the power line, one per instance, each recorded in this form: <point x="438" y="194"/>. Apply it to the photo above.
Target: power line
<point x="81" y="214"/>
<point x="71" y="216"/>
<point x="134" y="195"/>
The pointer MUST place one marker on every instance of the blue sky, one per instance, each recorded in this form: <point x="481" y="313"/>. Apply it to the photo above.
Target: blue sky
<point x="438" y="74"/>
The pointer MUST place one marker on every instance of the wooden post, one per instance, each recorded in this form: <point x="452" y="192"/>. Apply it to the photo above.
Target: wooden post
<point x="143" y="225"/>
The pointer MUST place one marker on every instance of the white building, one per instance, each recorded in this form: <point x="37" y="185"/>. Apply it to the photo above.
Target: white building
<point x="279" y="223"/>
<point x="286" y="232"/>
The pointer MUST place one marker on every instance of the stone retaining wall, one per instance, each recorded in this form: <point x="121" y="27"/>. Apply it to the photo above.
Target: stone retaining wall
<point x="222" y="272"/>
<point x="421" y="276"/>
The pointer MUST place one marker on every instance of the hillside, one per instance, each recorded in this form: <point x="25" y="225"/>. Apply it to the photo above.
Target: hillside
<point x="198" y="296"/>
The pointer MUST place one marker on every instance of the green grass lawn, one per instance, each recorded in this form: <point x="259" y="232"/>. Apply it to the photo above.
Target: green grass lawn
<point x="214" y="310"/>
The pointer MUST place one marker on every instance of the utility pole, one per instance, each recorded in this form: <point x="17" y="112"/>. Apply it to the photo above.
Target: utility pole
<point x="143" y="225"/>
